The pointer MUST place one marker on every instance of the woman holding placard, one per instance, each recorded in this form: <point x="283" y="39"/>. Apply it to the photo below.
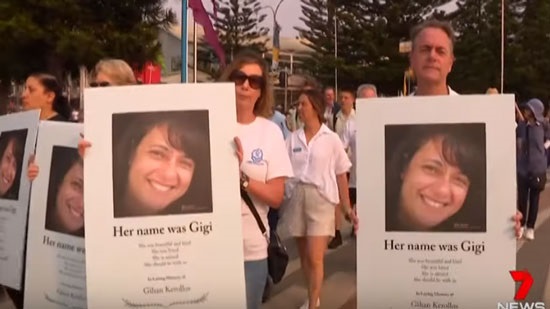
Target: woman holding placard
<point x="42" y="91"/>
<point x="263" y="162"/>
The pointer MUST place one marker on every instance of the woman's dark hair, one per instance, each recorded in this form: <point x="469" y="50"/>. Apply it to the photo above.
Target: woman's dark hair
<point x="463" y="147"/>
<point x="60" y="102"/>
<point x="317" y="100"/>
<point x="63" y="159"/>
<point x="187" y="131"/>
<point x="19" y="137"/>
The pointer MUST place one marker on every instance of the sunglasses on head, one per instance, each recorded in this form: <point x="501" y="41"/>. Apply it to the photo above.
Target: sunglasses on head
<point x="99" y="84"/>
<point x="254" y="81"/>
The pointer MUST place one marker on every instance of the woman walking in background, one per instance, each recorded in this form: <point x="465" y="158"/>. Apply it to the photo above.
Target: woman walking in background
<point x="320" y="165"/>
<point x="532" y="143"/>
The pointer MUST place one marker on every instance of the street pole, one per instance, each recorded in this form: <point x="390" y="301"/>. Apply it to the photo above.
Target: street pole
<point x="195" y="51"/>
<point x="276" y="33"/>
<point x="184" y="40"/>
<point x="335" y="55"/>
<point x="502" y="46"/>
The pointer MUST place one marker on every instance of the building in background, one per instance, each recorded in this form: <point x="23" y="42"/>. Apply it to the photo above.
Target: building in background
<point x="291" y="55"/>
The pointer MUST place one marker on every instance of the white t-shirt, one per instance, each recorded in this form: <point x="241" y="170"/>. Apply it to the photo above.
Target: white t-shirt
<point x="319" y="162"/>
<point x="341" y="121"/>
<point x="349" y="141"/>
<point x="264" y="158"/>
<point x="451" y="92"/>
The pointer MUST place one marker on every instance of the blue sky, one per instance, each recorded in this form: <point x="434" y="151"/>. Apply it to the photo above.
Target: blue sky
<point x="288" y="15"/>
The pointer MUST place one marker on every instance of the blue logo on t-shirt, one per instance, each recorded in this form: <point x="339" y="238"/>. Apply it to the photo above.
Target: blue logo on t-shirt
<point x="257" y="156"/>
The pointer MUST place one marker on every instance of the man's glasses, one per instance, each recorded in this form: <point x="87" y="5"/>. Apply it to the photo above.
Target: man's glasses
<point x="100" y="84"/>
<point x="255" y="81"/>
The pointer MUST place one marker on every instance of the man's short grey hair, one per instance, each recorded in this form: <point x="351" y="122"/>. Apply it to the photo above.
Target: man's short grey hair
<point x="364" y="87"/>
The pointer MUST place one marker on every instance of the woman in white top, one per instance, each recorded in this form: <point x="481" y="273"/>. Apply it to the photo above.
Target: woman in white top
<point x="320" y="165"/>
<point x="263" y="160"/>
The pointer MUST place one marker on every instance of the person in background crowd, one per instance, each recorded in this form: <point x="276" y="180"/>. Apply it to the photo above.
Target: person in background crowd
<point x="292" y="118"/>
<point x="273" y="215"/>
<point x="112" y="72"/>
<point x="280" y="120"/>
<point x="320" y="165"/>
<point x="366" y="91"/>
<point x="263" y="161"/>
<point x="346" y="113"/>
<point x="332" y="107"/>
<point x="349" y="140"/>
<point x="533" y="140"/>
<point x="432" y="59"/>
<point x="492" y="91"/>
<point x="42" y="91"/>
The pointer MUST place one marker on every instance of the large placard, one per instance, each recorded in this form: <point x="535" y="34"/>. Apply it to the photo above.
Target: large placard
<point x="57" y="279"/>
<point x="163" y="218"/>
<point x="437" y="232"/>
<point x="17" y="140"/>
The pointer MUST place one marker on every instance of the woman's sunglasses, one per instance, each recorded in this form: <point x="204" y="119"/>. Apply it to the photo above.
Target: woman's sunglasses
<point x="99" y="84"/>
<point x="255" y="81"/>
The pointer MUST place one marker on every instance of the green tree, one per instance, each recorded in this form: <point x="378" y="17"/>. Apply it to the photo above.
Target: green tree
<point x="59" y="35"/>
<point x="478" y="47"/>
<point x="238" y="27"/>
<point x="530" y="74"/>
<point x="368" y="32"/>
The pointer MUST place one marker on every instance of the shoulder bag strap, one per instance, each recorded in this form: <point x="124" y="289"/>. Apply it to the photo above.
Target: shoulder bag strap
<point x="254" y="211"/>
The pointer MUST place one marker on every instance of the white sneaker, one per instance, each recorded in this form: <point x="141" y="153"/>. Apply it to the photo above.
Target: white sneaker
<point x="521" y="232"/>
<point x="530" y="234"/>
<point x="306" y="304"/>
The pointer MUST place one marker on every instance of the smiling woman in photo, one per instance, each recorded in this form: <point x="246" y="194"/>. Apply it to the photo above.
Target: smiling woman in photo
<point x="65" y="212"/>
<point x="435" y="180"/>
<point x="12" y="147"/>
<point x="161" y="163"/>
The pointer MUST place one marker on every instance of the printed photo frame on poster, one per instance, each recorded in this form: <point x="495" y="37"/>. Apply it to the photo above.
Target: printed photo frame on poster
<point x="418" y="157"/>
<point x="12" y="150"/>
<point x="169" y="197"/>
<point x="161" y="163"/>
<point x="56" y="221"/>
<point x="445" y="205"/>
<point x="17" y="140"/>
<point x="65" y="201"/>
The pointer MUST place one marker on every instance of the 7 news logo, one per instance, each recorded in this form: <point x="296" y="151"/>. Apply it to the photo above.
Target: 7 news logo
<point x="526" y="280"/>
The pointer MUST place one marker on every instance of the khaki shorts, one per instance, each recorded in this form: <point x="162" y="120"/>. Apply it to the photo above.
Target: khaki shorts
<point x="308" y="213"/>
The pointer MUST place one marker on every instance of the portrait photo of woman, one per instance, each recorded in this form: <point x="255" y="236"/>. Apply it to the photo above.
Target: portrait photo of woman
<point x="12" y="150"/>
<point x="65" y="204"/>
<point x="161" y="163"/>
<point x="436" y="177"/>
